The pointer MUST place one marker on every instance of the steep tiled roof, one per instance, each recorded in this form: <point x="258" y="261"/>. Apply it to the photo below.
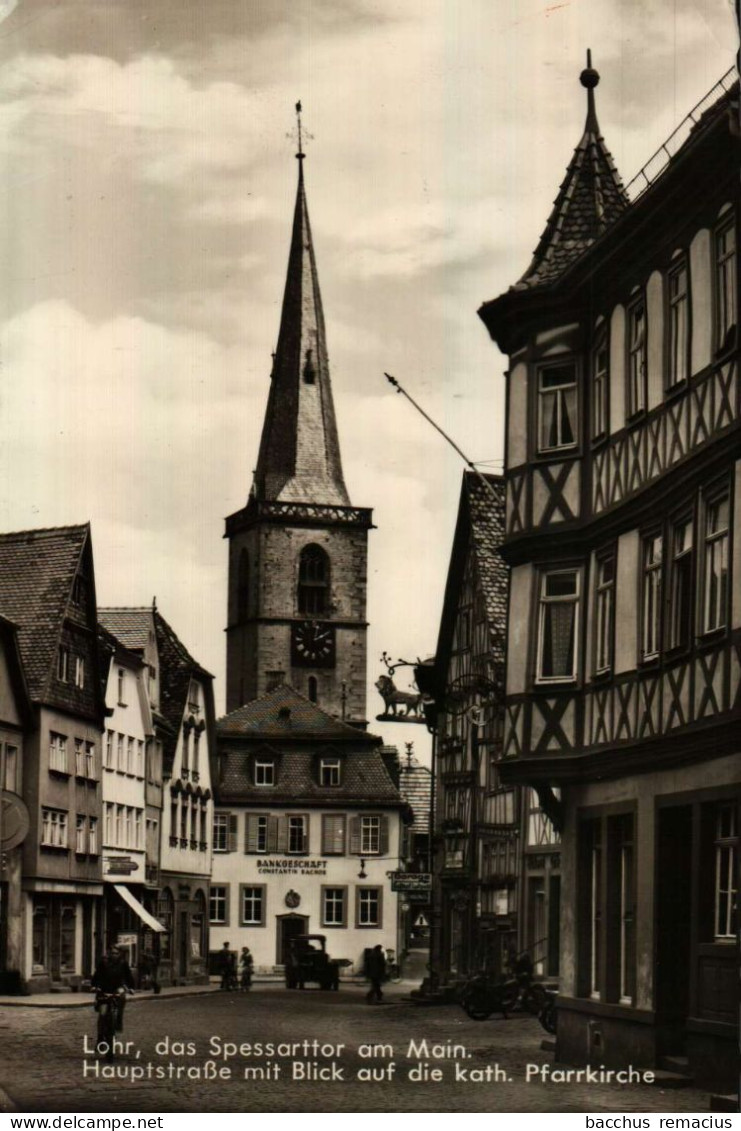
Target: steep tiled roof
<point x="416" y="789"/>
<point x="486" y="514"/>
<point x="37" y="568"/>
<point x="286" y="714"/>
<point x="298" y="733"/>
<point x="130" y="626"/>
<point x="590" y="199"/>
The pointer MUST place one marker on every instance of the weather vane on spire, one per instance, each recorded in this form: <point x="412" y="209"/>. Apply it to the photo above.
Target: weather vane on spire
<point x="299" y="134"/>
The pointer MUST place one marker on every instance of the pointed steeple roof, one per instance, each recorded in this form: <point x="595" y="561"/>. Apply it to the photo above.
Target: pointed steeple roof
<point x="299" y="458"/>
<point x="590" y="199"/>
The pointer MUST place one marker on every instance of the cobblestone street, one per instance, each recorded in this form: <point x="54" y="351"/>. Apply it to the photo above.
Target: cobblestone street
<point x="42" y="1064"/>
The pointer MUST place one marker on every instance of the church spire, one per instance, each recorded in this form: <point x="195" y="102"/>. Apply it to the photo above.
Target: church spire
<point x="591" y="197"/>
<point x="299" y="458"/>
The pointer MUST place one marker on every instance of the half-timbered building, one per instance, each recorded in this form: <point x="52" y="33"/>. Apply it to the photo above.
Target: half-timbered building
<point x="623" y="484"/>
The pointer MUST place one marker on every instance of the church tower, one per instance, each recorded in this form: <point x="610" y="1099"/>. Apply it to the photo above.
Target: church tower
<point x="298" y="549"/>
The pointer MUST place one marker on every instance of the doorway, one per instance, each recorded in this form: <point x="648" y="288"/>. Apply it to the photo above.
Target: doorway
<point x="672" y="926"/>
<point x="287" y="928"/>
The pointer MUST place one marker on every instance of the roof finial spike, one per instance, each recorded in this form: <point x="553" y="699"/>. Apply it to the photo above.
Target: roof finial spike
<point x="300" y="155"/>
<point x="589" y="78"/>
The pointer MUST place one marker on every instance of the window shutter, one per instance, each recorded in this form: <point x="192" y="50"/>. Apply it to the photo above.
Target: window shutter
<point x="273" y="834"/>
<point x="227" y="892"/>
<point x="333" y="835"/>
<point x="327" y="833"/>
<point x="307" y="827"/>
<point x="282" y="845"/>
<point x="383" y="836"/>
<point x="355" y="835"/>
<point x="232" y="844"/>
<point x="250" y="829"/>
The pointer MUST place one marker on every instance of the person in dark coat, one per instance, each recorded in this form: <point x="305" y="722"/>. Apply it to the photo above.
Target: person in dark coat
<point x="112" y="974"/>
<point x="148" y="970"/>
<point x="227" y="968"/>
<point x="376" y="973"/>
<point x="246" y="967"/>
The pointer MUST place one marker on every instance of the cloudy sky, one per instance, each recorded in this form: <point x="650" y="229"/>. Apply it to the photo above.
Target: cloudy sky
<point x="147" y="185"/>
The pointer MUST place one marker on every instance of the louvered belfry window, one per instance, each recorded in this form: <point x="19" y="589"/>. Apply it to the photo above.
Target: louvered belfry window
<point x="313" y="581"/>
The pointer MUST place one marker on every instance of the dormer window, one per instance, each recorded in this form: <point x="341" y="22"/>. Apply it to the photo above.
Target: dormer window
<point x="329" y="771"/>
<point x="264" y="771"/>
<point x="63" y="664"/>
<point x="557" y="407"/>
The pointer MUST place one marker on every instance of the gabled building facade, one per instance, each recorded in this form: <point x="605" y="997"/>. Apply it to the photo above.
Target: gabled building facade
<point x="307" y="825"/>
<point x="177" y="794"/>
<point x="623" y="534"/>
<point x="15" y="723"/>
<point x="47" y="588"/>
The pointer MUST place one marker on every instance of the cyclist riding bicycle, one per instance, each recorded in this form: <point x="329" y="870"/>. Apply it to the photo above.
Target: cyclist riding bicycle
<point x="112" y="975"/>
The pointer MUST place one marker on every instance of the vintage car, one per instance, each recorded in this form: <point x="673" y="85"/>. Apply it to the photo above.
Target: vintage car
<point x="308" y="961"/>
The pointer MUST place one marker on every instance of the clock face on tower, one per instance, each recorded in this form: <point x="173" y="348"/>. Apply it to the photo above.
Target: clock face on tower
<point x="313" y="644"/>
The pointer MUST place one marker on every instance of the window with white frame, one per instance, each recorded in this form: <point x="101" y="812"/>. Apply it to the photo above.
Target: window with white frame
<point x="557" y="407"/>
<point x="127" y="822"/>
<point x="253" y="905"/>
<point x="329" y="771"/>
<point x="651" y="596"/>
<point x="679" y="331"/>
<point x="108" y="822"/>
<point x="80" y="830"/>
<point x="680" y="593"/>
<point x="264" y="771"/>
<point x="558" y="625"/>
<point x="297" y="837"/>
<point x="79" y="672"/>
<point x="92" y="836"/>
<point x="604" y="612"/>
<point x="140" y="757"/>
<point x="129" y="755"/>
<point x="138" y="828"/>
<point x="63" y="664"/>
<point x="726" y="281"/>
<point x="600" y="385"/>
<point x="370" y="836"/>
<point x="726" y="872"/>
<point x="221" y="832"/>
<point x="53" y="828"/>
<point x="58" y="752"/>
<point x="118" y="832"/>
<point x="120" y="756"/>
<point x="90" y="759"/>
<point x="368" y="907"/>
<point x="79" y="758"/>
<point x="637" y="357"/>
<point x="715" y="580"/>
<point x="334" y="907"/>
<point x="218" y="904"/>
<point x="109" y="749"/>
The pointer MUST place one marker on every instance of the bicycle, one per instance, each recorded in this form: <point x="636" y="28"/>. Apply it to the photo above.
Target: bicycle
<point x="108" y="1007"/>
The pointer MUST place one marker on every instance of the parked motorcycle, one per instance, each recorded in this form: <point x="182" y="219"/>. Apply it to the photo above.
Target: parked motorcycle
<point x="485" y="994"/>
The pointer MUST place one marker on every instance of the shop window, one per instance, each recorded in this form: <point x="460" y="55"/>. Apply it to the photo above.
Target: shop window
<point x="368" y="905"/>
<point x="606" y="907"/>
<point x="726" y="872"/>
<point x="558" y="626"/>
<point x="334" y="907"/>
<point x="557" y="407"/>
<point x="40" y="936"/>
<point x="313" y="581"/>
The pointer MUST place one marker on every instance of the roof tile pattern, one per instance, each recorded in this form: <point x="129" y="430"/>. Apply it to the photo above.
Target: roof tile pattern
<point x="286" y="714"/>
<point x="486" y="507"/>
<point x="37" y="568"/>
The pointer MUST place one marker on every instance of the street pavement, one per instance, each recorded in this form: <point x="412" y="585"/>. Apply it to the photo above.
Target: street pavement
<point x="332" y="1052"/>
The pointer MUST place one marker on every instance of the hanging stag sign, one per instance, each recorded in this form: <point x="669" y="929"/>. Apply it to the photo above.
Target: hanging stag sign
<point x="398" y="706"/>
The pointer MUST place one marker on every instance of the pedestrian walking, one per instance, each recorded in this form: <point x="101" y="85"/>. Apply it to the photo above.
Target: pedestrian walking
<point x="246" y="967"/>
<point x="227" y="968"/>
<point x="148" y="966"/>
<point x="375" y="971"/>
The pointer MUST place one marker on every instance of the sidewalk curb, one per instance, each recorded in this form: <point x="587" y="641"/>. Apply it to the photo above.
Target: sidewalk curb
<point x="85" y="1001"/>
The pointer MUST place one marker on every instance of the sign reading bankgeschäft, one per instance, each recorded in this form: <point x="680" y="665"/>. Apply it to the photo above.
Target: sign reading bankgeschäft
<point x="292" y="866"/>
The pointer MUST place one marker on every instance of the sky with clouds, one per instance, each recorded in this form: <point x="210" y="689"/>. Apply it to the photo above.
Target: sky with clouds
<point x="147" y="181"/>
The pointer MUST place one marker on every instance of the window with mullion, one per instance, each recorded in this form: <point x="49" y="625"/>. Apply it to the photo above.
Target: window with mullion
<point x="297" y="835"/>
<point x="604" y="612"/>
<point x="253" y="905"/>
<point x="557" y="407"/>
<point x="715" y="581"/>
<point x="680" y="599"/>
<point x="558" y="624"/>
<point x="313" y="581"/>
<point x="726" y="281"/>
<point x="637" y="357"/>
<point x="334" y="907"/>
<point x="678" y="323"/>
<point x="651" y="596"/>
<point x="600" y="380"/>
